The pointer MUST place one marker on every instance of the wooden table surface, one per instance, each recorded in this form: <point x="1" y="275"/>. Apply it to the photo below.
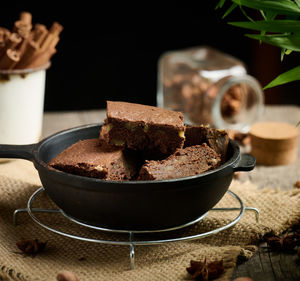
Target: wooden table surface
<point x="264" y="265"/>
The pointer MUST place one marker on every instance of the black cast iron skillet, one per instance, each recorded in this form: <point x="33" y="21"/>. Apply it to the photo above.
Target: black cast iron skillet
<point x="132" y="205"/>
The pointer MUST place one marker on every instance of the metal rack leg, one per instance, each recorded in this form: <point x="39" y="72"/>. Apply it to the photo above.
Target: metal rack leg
<point x="37" y="210"/>
<point x="131" y="255"/>
<point x="15" y="215"/>
<point x="257" y="213"/>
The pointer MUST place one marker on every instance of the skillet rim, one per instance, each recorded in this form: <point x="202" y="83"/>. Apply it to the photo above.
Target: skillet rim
<point x="230" y="163"/>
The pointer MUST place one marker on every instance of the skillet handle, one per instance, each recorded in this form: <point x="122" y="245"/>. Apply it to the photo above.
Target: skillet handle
<point x="246" y="163"/>
<point x="24" y="151"/>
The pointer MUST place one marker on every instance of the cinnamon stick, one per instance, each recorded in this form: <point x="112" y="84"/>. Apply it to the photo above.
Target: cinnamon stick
<point x="54" y="42"/>
<point x="22" y="28"/>
<point x="2" y="40"/>
<point x="26" y="47"/>
<point x="26" y="17"/>
<point x="6" y="32"/>
<point x="44" y="55"/>
<point x="9" y="59"/>
<point x="56" y="28"/>
<point x="54" y="32"/>
<point x="42" y="58"/>
<point x="11" y="43"/>
<point x="31" y="50"/>
<point x="39" y="33"/>
<point x="13" y="40"/>
<point x="47" y="41"/>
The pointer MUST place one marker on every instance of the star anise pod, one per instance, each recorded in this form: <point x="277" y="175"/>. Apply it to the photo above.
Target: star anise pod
<point x="285" y="243"/>
<point x="205" y="271"/>
<point x="31" y="247"/>
<point x="296" y="232"/>
<point x="296" y="228"/>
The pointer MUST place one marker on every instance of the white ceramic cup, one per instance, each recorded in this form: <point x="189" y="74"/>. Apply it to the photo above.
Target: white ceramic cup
<point x="22" y="105"/>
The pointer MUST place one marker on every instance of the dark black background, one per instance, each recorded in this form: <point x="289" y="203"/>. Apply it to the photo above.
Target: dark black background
<point x="111" y="51"/>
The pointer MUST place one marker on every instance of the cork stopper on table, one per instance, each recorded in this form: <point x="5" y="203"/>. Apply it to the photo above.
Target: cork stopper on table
<point x="274" y="143"/>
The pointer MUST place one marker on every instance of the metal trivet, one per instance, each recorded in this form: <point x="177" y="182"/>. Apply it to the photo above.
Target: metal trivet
<point x="131" y="242"/>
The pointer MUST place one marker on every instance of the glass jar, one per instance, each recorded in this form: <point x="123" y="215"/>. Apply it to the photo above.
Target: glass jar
<point x="209" y="87"/>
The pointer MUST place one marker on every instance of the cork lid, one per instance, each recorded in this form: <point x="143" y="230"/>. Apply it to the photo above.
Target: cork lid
<point x="274" y="130"/>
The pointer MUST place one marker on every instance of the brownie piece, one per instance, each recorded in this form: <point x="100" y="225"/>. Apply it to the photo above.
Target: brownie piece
<point x="91" y="159"/>
<point x="195" y="135"/>
<point x="216" y="139"/>
<point x="184" y="162"/>
<point x="143" y="127"/>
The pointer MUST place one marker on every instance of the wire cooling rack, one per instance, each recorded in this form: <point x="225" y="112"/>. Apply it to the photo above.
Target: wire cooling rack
<point x="131" y="240"/>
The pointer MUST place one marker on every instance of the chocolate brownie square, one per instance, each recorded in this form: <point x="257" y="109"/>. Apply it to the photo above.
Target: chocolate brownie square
<point x="215" y="138"/>
<point x="184" y="162"/>
<point x="92" y="159"/>
<point x="143" y="127"/>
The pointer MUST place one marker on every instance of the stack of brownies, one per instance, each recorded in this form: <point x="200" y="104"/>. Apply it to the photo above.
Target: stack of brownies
<point x="140" y="142"/>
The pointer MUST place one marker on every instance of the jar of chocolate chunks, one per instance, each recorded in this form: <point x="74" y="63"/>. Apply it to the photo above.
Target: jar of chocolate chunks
<point x="209" y="87"/>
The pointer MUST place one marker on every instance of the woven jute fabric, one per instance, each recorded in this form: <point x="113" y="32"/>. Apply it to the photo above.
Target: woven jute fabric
<point x="95" y="261"/>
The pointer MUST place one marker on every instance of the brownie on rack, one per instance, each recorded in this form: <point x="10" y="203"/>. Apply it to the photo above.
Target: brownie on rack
<point x="143" y="127"/>
<point x="184" y="162"/>
<point x="93" y="159"/>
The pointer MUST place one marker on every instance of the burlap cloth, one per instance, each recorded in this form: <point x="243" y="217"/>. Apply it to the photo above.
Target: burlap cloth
<point x="92" y="261"/>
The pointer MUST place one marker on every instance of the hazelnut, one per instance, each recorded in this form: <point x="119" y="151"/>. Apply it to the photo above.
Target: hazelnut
<point x="99" y="168"/>
<point x="297" y="184"/>
<point x="130" y="126"/>
<point x="178" y="79"/>
<point x="236" y="175"/>
<point x="66" y="275"/>
<point x="117" y="142"/>
<point x="187" y="90"/>
<point x="181" y="134"/>
<point x="235" y="92"/>
<point x="146" y="128"/>
<point x="109" y="127"/>
<point x="234" y="106"/>
<point x="167" y="83"/>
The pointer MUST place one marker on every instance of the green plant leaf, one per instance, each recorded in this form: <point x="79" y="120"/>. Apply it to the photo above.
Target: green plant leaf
<point x="267" y="15"/>
<point x="297" y="2"/>
<point x="245" y="14"/>
<point x="287" y="29"/>
<point x="270" y="25"/>
<point x="282" y="7"/>
<point x="291" y="42"/>
<point x="286" y="77"/>
<point x="220" y="4"/>
<point x="270" y="15"/>
<point x="282" y="53"/>
<point x="229" y="10"/>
